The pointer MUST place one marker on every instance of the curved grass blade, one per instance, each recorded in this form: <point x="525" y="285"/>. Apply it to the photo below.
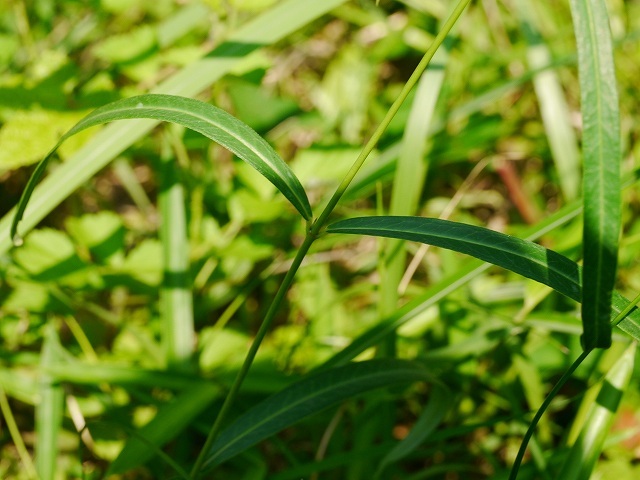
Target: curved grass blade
<point x="267" y="28"/>
<point x="520" y="256"/>
<point x="306" y="397"/>
<point x="210" y="121"/>
<point x="601" y="148"/>
<point x="586" y="450"/>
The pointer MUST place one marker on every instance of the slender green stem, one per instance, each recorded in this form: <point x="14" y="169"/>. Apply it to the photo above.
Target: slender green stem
<point x="314" y="230"/>
<point x="543" y="408"/>
<point x="626" y="311"/>
<point x="253" y="350"/>
<point x="14" y="431"/>
<point x="556" y="388"/>
<point x="375" y="138"/>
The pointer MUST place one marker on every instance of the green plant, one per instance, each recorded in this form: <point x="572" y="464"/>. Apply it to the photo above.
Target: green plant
<point x="339" y="379"/>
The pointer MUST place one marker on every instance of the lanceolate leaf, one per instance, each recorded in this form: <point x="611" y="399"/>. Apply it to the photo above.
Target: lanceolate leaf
<point x="308" y="396"/>
<point x="601" y="146"/>
<point x="526" y="258"/>
<point x="520" y="256"/>
<point x="201" y="117"/>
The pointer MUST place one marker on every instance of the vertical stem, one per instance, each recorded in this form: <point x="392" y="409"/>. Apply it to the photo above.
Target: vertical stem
<point x="543" y="408"/>
<point x="176" y="300"/>
<point x="314" y="231"/>
<point x="375" y="138"/>
<point x="253" y="350"/>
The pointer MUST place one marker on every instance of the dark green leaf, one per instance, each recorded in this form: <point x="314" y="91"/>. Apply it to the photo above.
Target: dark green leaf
<point x="601" y="147"/>
<point x="307" y="397"/>
<point x="201" y="117"/>
<point x="520" y="256"/>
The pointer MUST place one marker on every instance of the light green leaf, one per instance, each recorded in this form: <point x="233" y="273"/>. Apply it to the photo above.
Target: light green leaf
<point x="101" y="233"/>
<point x="27" y="135"/>
<point x="601" y="148"/>
<point x="520" y="256"/>
<point x="49" y="410"/>
<point x="49" y="255"/>
<point x="210" y="121"/>
<point x="307" y="397"/>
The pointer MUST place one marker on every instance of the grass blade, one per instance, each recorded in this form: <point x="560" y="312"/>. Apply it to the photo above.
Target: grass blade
<point x="210" y="121"/>
<point x="306" y="397"/>
<point x="176" y="301"/>
<point x="601" y="147"/>
<point x="273" y="25"/>
<point x="520" y="256"/>
<point x="556" y="116"/>
<point x="49" y="410"/>
<point x="586" y="450"/>
<point x="411" y="170"/>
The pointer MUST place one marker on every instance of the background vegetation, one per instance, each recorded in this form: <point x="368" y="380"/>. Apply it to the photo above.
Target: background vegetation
<point x="111" y="366"/>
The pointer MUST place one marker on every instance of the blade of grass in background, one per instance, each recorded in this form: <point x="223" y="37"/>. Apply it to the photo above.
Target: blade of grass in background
<point x="49" y="410"/>
<point x="308" y="396"/>
<point x="586" y="450"/>
<point x="553" y="106"/>
<point x="171" y="419"/>
<point x="408" y="181"/>
<point x="410" y="176"/>
<point x="601" y="150"/>
<point x="210" y="121"/>
<point x="434" y="412"/>
<point x="176" y="302"/>
<point x="275" y="24"/>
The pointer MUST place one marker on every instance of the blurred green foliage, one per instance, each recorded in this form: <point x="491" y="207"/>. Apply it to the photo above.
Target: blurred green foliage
<point x="94" y="269"/>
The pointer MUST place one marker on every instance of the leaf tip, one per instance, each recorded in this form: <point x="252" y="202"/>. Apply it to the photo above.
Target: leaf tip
<point x="17" y="240"/>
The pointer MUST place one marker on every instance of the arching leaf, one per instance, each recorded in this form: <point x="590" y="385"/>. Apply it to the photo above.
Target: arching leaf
<point x="201" y="117"/>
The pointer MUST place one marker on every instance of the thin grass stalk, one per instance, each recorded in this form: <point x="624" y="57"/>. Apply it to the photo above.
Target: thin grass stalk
<point x="14" y="432"/>
<point x="175" y="296"/>
<point x="313" y="233"/>
<point x="251" y="354"/>
<point x="375" y="138"/>
<point x="543" y="408"/>
<point x="552" y="394"/>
